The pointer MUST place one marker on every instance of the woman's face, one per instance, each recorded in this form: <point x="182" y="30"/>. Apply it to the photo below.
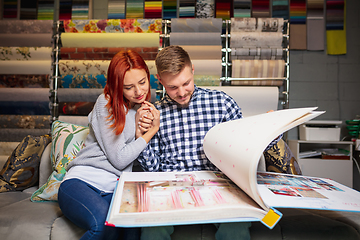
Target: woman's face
<point x="136" y="86"/>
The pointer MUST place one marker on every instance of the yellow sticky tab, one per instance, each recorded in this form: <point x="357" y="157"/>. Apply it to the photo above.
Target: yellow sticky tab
<point x="271" y="218"/>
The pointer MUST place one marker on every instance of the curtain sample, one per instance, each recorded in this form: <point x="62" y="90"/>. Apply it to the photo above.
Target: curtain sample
<point x="10" y="9"/>
<point x="169" y="9"/>
<point x="135" y="9"/>
<point x="187" y="8"/>
<point x="45" y="10"/>
<point x="280" y="9"/>
<point x="256" y="39"/>
<point x="260" y="8"/>
<point x="315" y="25"/>
<point x="80" y="9"/>
<point x="116" y="9"/>
<point x="152" y="9"/>
<point x="336" y="38"/>
<point x="224" y="9"/>
<point x="242" y="8"/>
<point x="205" y="9"/>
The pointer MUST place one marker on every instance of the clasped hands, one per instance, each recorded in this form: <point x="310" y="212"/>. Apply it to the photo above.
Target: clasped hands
<point x="147" y="118"/>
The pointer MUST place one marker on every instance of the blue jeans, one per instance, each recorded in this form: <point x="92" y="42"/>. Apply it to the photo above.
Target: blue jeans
<point x="87" y="207"/>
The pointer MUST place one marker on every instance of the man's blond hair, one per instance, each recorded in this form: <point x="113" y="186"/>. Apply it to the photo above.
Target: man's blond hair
<point x="172" y="60"/>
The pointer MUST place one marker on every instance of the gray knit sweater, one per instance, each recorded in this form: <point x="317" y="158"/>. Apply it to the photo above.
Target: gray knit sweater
<point x="103" y="149"/>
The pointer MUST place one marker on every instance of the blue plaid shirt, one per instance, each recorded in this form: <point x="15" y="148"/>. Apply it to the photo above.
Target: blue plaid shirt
<point x="178" y="145"/>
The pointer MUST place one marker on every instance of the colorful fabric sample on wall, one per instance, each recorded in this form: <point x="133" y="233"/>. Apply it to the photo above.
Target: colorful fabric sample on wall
<point x="315" y="25"/>
<point x="135" y="9"/>
<point x="280" y="9"/>
<point x="205" y="8"/>
<point x="153" y="9"/>
<point x="187" y="8"/>
<point x="45" y="9"/>
<point x="260" y="8"/>
<point x="116" y="9"/>
<point x="113" y="26"/>
<point x="28" y="9"/>
<point x="336" y="38"/>
<point x="298" y="30"/>
<point x="242" y="8"/>
<point x="169" y="9"/>
<point x="298" y="11"/>
<point x="80" y="9"/>
<point x="65" y="9"/>
<point x="10" y="9"/>
<point x="24" y="81"/>
<point x="335" y="17"/>
<point x="224" y="9"/>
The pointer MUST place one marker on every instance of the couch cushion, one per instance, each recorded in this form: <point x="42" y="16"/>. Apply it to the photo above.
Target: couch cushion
<point x="63" y="228"/>
<point x="28" y="220"/>
<point x="7" y="198"/>
<point x="21" y="170"/>
<point x="67" y="140"/>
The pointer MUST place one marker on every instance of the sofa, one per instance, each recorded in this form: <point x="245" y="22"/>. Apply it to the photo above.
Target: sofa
<point x="21" y="218"/>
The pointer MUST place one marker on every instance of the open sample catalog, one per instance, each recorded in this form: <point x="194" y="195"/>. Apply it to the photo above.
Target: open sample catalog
<point x="238" y="192"/>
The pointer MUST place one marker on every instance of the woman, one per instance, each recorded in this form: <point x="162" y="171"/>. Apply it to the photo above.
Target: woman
<point x="114" y="142"/>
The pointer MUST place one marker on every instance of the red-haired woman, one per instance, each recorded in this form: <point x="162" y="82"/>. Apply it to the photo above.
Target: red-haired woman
<point x="114" y="142"/>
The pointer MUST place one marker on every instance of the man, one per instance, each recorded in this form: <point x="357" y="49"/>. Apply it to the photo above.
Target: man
<point x="186" y="114"/>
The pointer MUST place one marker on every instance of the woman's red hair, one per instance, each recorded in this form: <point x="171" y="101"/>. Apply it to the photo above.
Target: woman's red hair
<point x="118" y="106"/>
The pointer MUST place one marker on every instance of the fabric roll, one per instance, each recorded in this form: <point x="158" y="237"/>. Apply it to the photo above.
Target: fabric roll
<point x="257" y="24"/>
<point x="258" y="68"/>
<point x="75" y="108"/>
<point x="26" y="67"/>
<point x="78" y="120"/>
<point x="280" y="9"/>
<point x="24" y="108"/>
<point x="24" y="94"/>
<point x="256" y="82"/>
<point x="116" y="9"/>
<point x="203" y="52"/>
<point x="224" y="9"/>
<point x="110" y="40"/>
<point x="113" y="26"/>
<point x="207" y="67"/>
<point x="205" y="9"/>
<point x="80" y="9"/>
<point x="187" y="8"/>
<point x="169" y="9"/>
<point x="25" y="53"/>
<point x="10" y="9"/>
<point x="83" y="67"/>
<point x="45" y="10"/>
<point x="153" y="9"/>
<point x="206" y="80"/>
<point x="24" y="81"/>
<point x="25" y="121"/>
<point x="260" y="8"/>
<point x="78" y="95"/>
<point x="257" y="53"/>
<point x="196" y="25"/>
<point x="242" y="8"/>
<point x="256" y="39"/>
<point x="26" y="26"/>
<point x="202" y="38"/>
<point x="135" y="9"/>
<point x="83" y="81"/>
<point x="26" y="40"/>
<point x="17" y="135"/>
<point x="297" y="38"/>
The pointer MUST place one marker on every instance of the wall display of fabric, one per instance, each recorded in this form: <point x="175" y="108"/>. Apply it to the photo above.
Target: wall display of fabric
<point x="260" y="8"/>
<point x="103" y="53"/>
<point x="336" y="29"/>
<point x="110" y="40"/>
<point x="75" y="108"/>
<point x="280" y="9"/>
<point x="80" y="9"/>
<point x="152" y="9"/>
<point x="207" y="67"/>
<point x="25" y="121"/>
<point x="205" y="9"/>
<point x="45" y="10"/>
<point x="25" y="53"/>
<point x="203" y="52"/>
<point x="257" y="53"/>
<point x="24" y="108"/>
<point x="65" y="9"/>
<point x="242" y="8"/>
<point x="24" y="81"/>
<point x="298" y="25"/>
<point x="135" y="9"/>
<point x="169" y="9"/>
<point x="26" y="67"/>
<point x="256" y="39"/>
<point x="116" y="9"/>
<point x="28" y="9"/>
<point x="26" y="40"/>
<point x="26" y="26"/>
<point x="258" y="68"/>
<point x="224" y="9"/>
<point x="206" y="80"/>
<point x="257" y="24"/>
<point x="201" y="38"/>
<point x="196" y="25"/>
<point x="315" y="26"/>
<point x="113" y="26"/>
<point x="10" y="9"/>
<point x="187" y="8"/>
<point x="79" y="94"/>
<point x="24" y="94"/>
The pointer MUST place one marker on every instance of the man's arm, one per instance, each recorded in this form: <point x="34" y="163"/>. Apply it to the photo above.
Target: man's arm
<point x="149" y="159"/>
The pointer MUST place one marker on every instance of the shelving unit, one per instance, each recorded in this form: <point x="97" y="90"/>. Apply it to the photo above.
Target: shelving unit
<point x="340" y="170"/>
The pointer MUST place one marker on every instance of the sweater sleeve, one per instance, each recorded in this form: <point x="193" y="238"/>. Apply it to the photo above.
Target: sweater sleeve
<point x="120" y="150"/>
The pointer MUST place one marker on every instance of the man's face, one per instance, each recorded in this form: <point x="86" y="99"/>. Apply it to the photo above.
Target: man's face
<point x="179" y="87"/>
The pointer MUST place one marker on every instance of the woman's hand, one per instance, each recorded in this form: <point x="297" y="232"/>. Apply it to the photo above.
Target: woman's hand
<point x="148" y="121"/>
